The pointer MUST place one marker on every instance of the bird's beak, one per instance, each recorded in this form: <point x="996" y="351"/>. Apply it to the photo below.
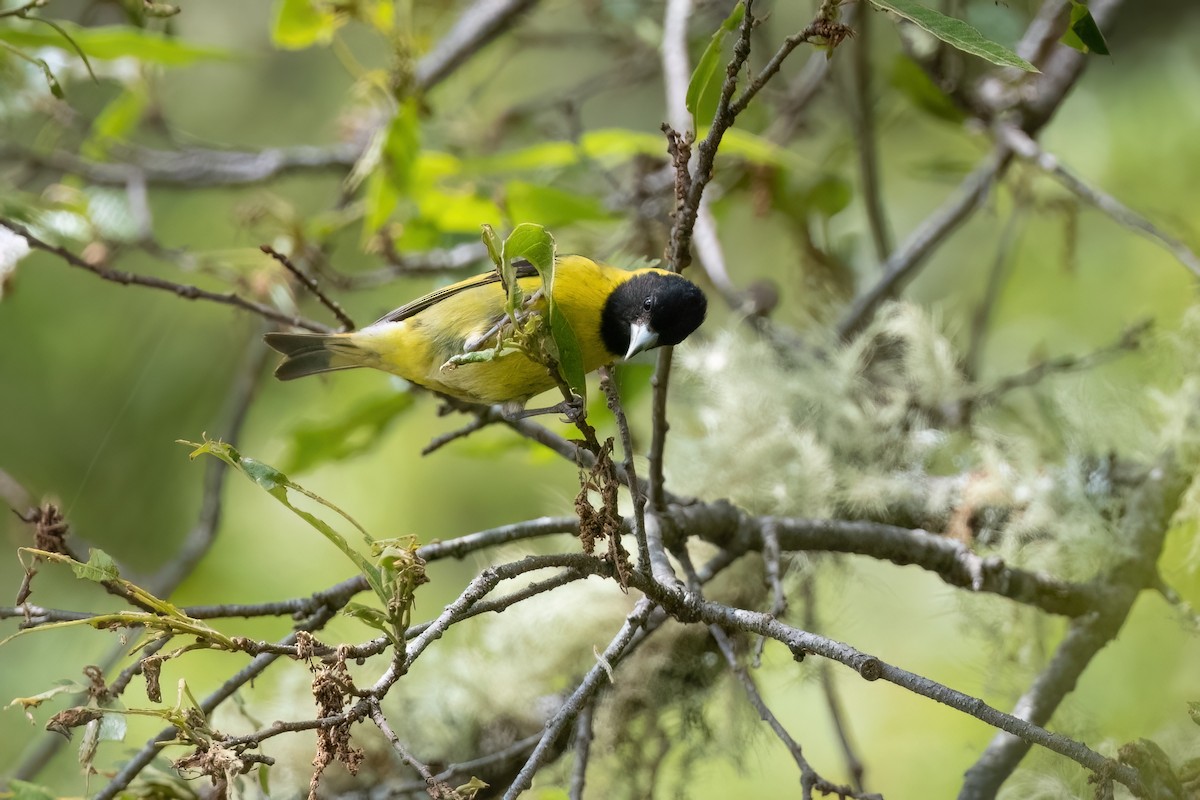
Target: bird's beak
<point x="641" y="337"/>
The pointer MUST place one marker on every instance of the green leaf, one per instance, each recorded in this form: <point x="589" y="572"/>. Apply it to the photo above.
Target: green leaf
<point x="551" y="206"/>
<point x="1083" y="33"/>
<point x="113" y="728"/>
<point x="379" y="202"/>
<point x="402" y="145"/>
<point x="394" y="175"/>
<point x="495" y="247"/>
<point x="24" y="790"/>
<point x="830" y="195"/>
<point x="370" y="616"/>
<point x="114" y="41"/>
<point x="536" y="245"/>
<point x="277" y="484"/>
<point x="702" y="95"/>
<point x="532" y="243"/>
<point x="508" y="279"/>
<point x="920" y="90"/>
<point x="955" y="33"/>
<point x="55" y="87"/>
<point x="351" y="434"/>
<point x="613" y="146"/>
<point x="474" y="357"/>
<point x="113" y="124"/>
<point x="456" y="210"/>
<point x="99" y="567"/>
<point x="570" y="357"/>
<point x="300" y="24"/>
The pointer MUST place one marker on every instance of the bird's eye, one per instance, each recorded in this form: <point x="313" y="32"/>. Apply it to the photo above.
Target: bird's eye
<point x="648" y="303"/>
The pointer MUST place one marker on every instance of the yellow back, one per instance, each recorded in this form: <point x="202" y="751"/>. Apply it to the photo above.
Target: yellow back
<point x="416" y="347"/>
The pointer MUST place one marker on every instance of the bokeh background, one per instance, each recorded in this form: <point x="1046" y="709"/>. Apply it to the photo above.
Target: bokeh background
<point x="98" y="381"/>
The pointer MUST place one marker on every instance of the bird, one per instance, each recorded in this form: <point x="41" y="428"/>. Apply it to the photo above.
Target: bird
<point x="614" y="313"/>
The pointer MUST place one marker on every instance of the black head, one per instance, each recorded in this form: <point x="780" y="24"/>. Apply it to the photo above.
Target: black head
<point x="651" y="309"/>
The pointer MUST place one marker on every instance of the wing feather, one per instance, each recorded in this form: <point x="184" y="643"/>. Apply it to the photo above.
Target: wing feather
<point x="523" y="269"/>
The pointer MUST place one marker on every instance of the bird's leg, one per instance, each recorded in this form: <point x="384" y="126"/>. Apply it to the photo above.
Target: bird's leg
<point x="573" y="409"/>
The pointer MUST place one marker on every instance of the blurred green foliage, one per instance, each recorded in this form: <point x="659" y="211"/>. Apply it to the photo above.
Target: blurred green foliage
<point x="97" y="381"/>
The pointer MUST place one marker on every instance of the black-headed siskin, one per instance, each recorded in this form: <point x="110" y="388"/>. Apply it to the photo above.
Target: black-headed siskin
<point x="614" y="314"/>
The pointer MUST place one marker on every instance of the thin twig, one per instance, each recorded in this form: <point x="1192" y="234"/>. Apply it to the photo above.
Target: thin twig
<point x="1144" y="527"/>
<point x="771" y="565"/>
<point x="400" y="265"/>
<point x="862" y="117"/>
<point x="810" y="779"/>
<point x="822" y="29"/>
<point x="676" y="73"/>
<point x="435" y="788"/>
<point x="518" y="749"/>
<point x="902" y="265"/>
<point x="659" y="427"/>
<point x="475" y="27"/>
<point x="854" y="764"/>
<point x="678" y="255"/>
<point x="1130" y="339"/>
<point x="182" y="290"/>
<point x="479" y="423"/>
<point x="583" y="747"/>
<point x="197" y="542"/>
<point x="981" y="319"/>
<point x="461" y="546"/>
<point x="633" y="629"/>
<point x="635" y="490"/>
<point x="1029" y="150"/>
<point x="310" y="283"/>
<point x="797" y="96"/>
<point x="195" y="167"/>
<point x="142" y="758"/>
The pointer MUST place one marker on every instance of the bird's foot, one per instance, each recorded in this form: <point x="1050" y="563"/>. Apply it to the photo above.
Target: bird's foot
<point x="574" y="410"/>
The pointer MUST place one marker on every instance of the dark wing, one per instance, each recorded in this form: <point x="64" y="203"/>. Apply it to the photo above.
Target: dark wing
<point x="523" y="269"/>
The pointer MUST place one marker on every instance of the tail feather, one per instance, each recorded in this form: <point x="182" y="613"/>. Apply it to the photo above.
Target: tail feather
<point x="312" y="353"/>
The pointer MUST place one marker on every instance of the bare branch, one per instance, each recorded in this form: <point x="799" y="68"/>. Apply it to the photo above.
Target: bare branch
<point x="1144" y="525"/>
<point x="195" y="167"/>
<point x="1130" y="339"/>
<point x="182" y="290"/>
<point x="635" y="627"/>
<point x="429" y="262"/>
<point x="854" y="764"/>
<point x="981" y="319"/>
<point x="809" y="778"/>
<point x="435" y="788"/>
<point x="310" y="283"/>
<point x="903" y="263"/>
<point x="1029" y="150"/>
<point x="635" y="490"/>
<point x="862" y="117"/>
<point x="583" y="746"/>
<point x="471" y="32"/>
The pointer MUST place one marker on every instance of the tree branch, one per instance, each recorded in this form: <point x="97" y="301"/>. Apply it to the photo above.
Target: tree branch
<point x="182" y="290"/>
